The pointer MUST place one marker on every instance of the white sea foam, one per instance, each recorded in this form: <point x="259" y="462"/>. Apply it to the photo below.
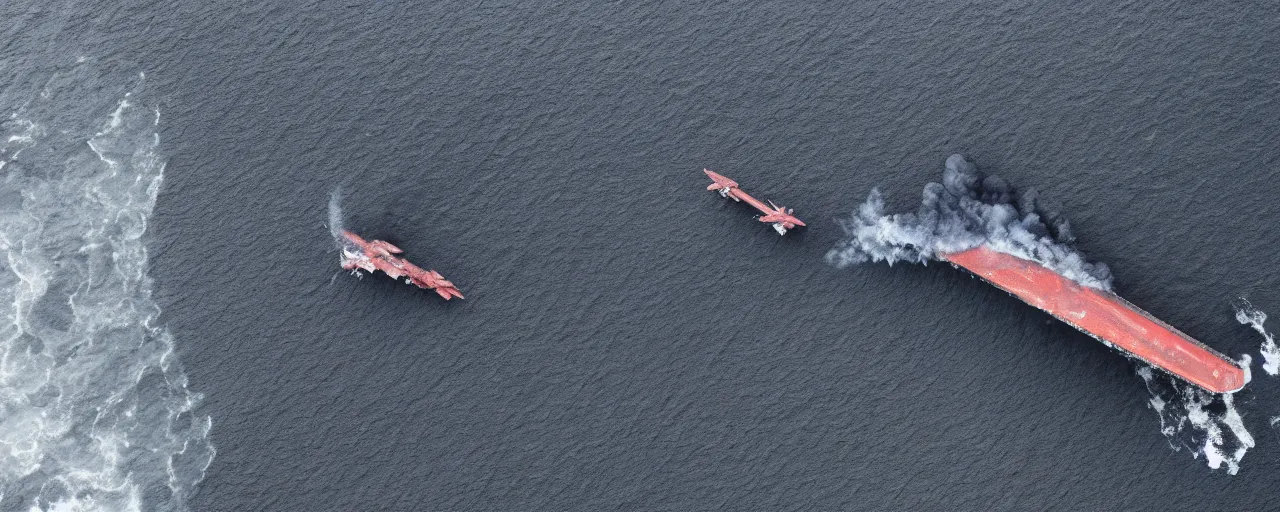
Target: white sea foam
<point x="1248" y="315"/>
<point x="1207" y="424"/>
<point x="95" y="413"/>
<point x="1211" y="424"/>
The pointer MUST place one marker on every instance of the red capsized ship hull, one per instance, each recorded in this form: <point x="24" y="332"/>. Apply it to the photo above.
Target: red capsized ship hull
<point x="375" y="255"/>
<point x="1105" y="316"/>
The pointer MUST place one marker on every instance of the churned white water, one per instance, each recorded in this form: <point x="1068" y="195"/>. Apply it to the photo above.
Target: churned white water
<point x="1211" y="425"/>
<point x="95" y="413"/>
<point x="1248" y="315"/>
<point x="1208" y="425"/>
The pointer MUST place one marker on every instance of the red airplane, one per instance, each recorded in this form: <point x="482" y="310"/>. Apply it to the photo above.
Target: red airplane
<point x="379" y="255"/>
<point x="779" y="216"/>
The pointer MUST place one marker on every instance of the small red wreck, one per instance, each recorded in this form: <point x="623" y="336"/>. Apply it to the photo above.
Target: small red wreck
<point x="377" y="255"/>
<point x="780" y="216"/>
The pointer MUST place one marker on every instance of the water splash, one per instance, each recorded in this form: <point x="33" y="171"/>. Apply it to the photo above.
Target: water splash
<point x="1246" y="314"/>
<point x="1207" y="424"/>
<point x="95" y="413"/>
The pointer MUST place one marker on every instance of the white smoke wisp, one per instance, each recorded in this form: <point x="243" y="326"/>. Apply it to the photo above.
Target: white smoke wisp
<point x="965" y="211"/>
<point x="1207" y="424"/>
<point x="349" y="255"/>
<point x="336" y="226"/>
<point x="1246" y="314"/>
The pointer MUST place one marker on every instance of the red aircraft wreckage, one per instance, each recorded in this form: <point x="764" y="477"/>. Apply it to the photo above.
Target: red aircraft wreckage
<point x="1104" y="316"/>
<point x="380" y="255"/>
<point x="779" y="216"/>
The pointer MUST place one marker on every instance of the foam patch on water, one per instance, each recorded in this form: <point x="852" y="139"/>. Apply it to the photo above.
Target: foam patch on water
<point x="95" y="413"/>
<point x="1208" y="424"/>
<point x="1248" y="315"/>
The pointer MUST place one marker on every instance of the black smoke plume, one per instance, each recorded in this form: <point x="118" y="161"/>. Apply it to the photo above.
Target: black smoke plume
<point x="965" y="211"/>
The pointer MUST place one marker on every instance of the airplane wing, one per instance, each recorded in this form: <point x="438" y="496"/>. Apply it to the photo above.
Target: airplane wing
<point x="725" y="186"/>
<point x="779" y="216"/>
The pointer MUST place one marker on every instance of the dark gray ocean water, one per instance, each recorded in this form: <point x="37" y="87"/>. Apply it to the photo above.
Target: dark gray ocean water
<point x="632" y="341"/>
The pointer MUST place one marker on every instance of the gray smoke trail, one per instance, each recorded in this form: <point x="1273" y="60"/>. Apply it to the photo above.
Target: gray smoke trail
<point x="965" y="211"/>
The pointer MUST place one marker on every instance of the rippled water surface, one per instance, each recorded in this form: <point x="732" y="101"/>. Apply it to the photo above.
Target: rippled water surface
<point x="628" y="340"/>
<point x="95" y="413"/>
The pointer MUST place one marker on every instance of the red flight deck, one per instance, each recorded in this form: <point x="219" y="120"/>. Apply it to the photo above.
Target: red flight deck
<point x="1105" y="316"/>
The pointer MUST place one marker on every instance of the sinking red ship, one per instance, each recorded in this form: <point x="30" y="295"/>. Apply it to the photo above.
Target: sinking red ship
<point x="380" y="255"/>
<point x="781" y="217"/>
<point x="1106" y="317"/>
